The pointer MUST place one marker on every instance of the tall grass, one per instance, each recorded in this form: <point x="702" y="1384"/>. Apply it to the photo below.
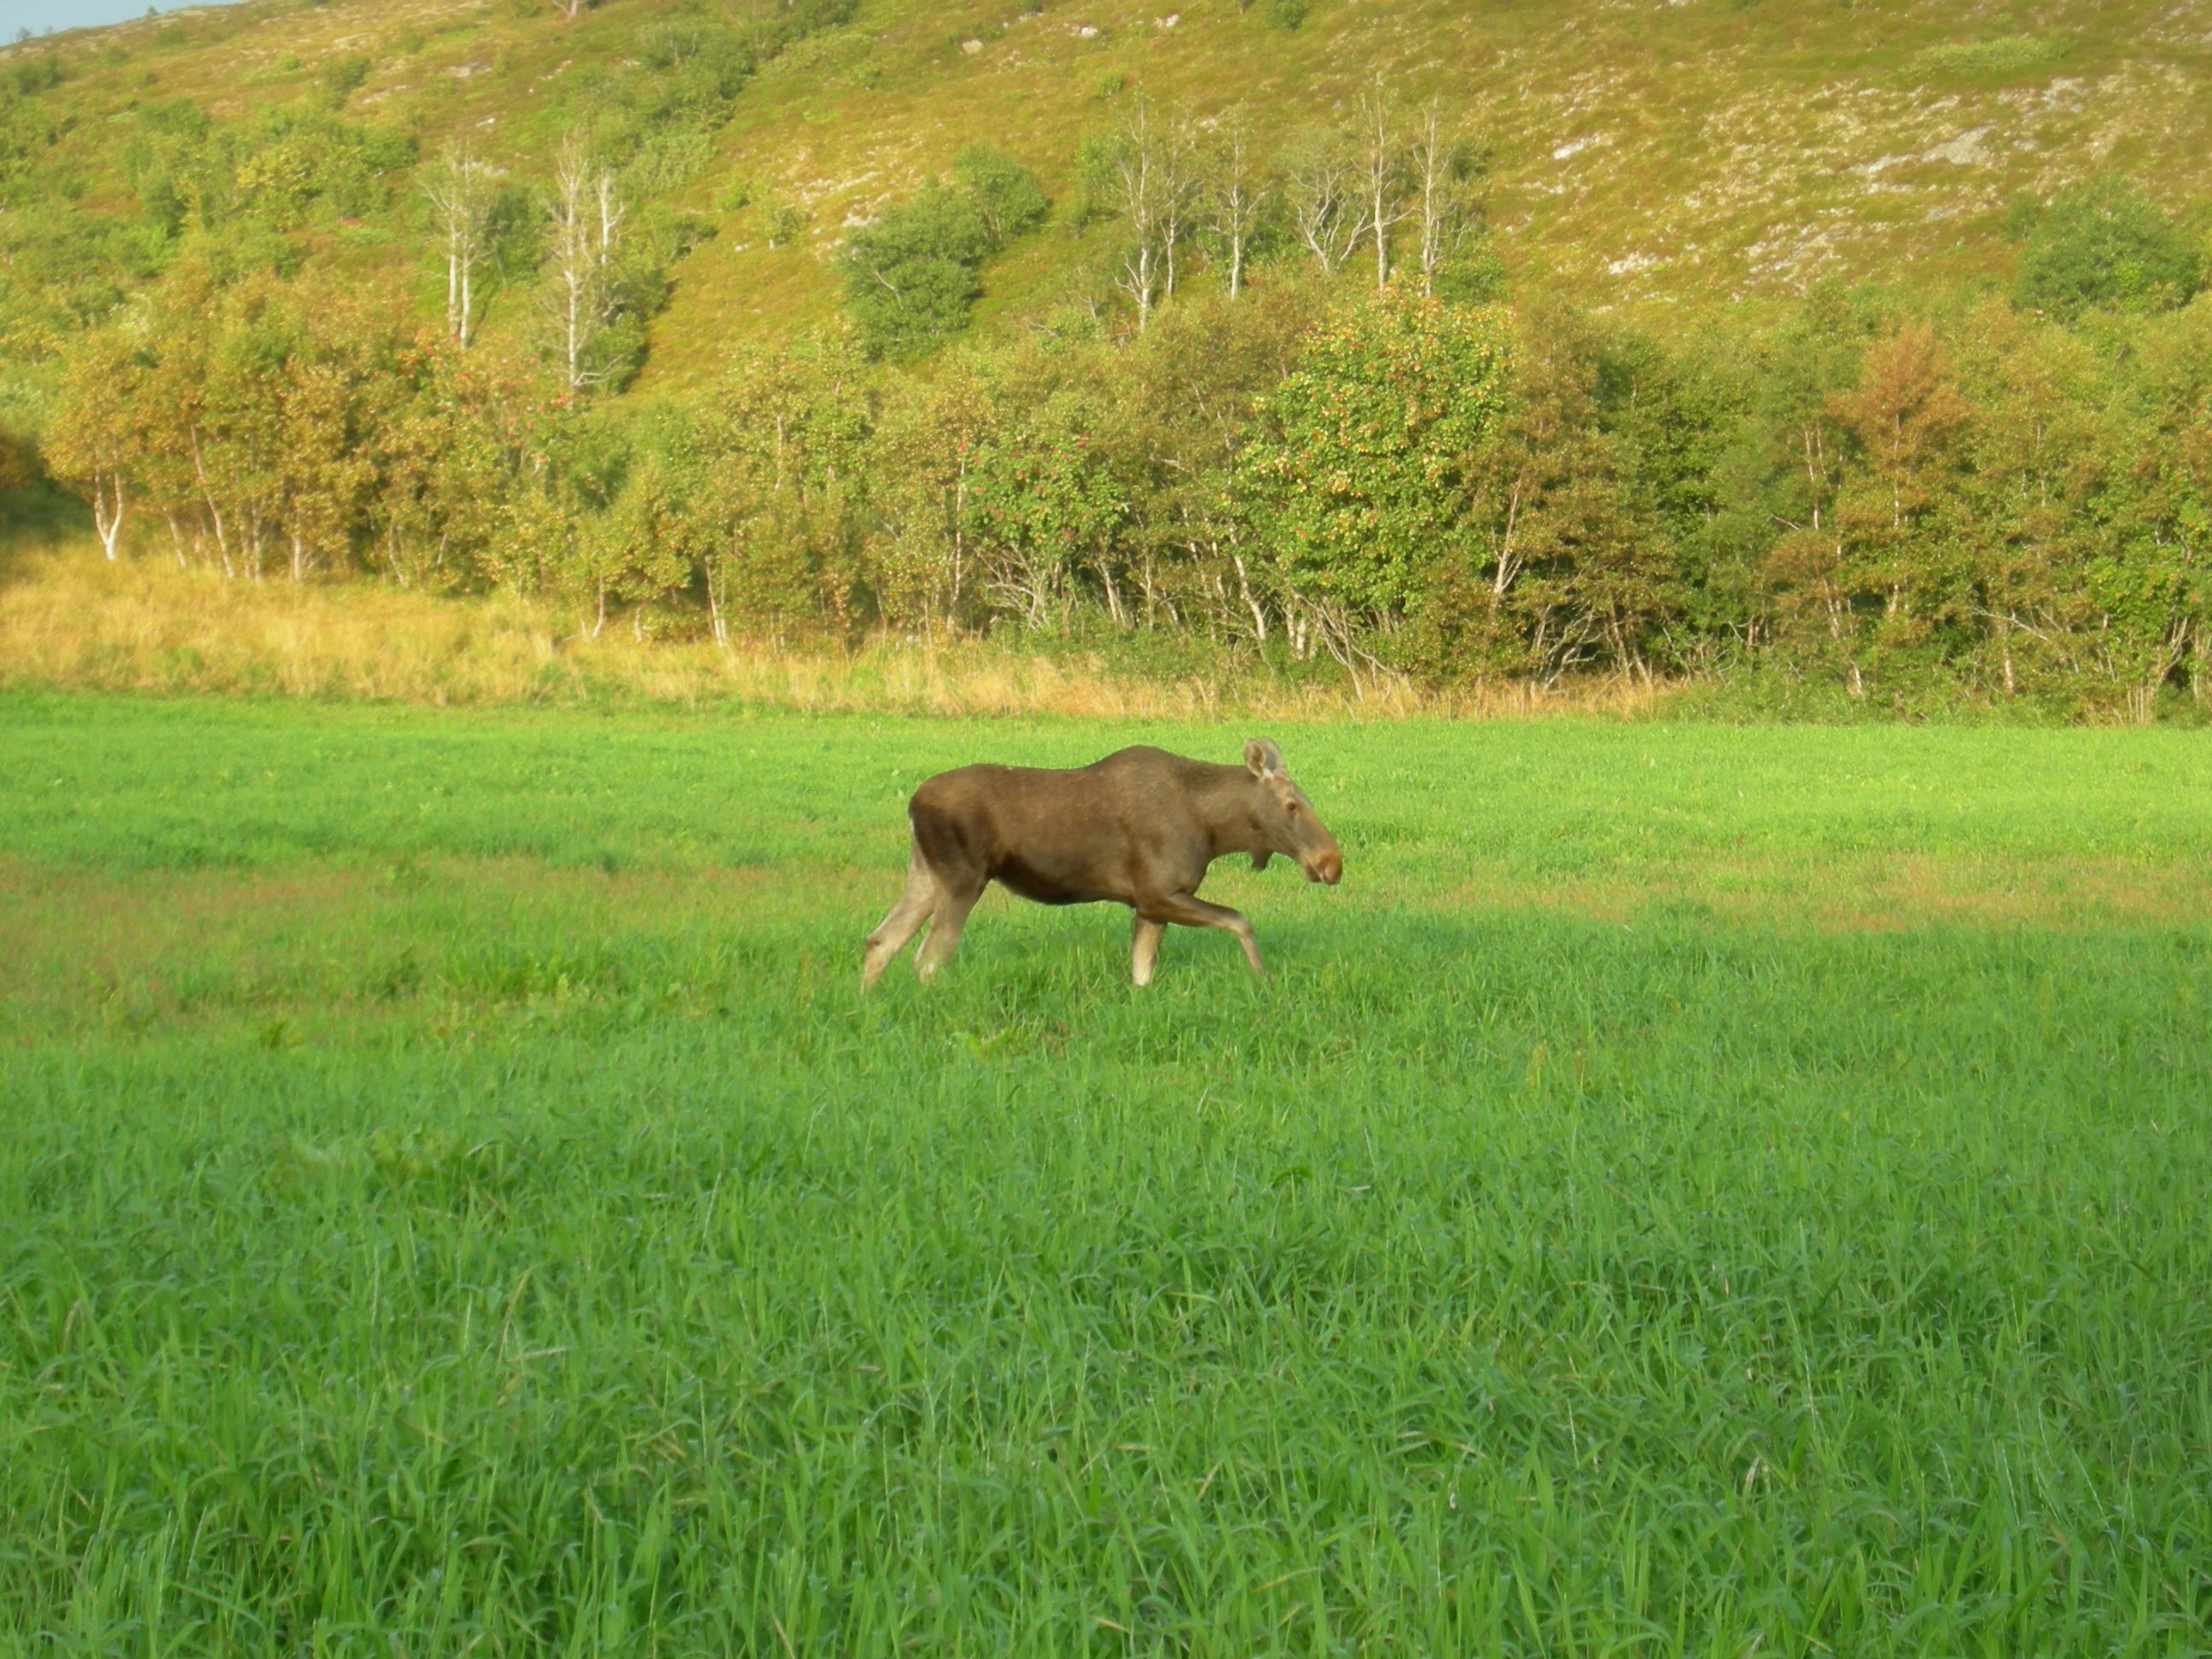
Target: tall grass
<point x="67" y="619"/>
<point x="453" y="1198"/>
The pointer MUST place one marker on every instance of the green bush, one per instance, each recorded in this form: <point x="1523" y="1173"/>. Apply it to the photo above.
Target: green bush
<point x="1475" y="277"/>
<point x="910" y="276"/>
<point x="781" y="221"/>
<point x="1012" y="201"/>
<point x="2104" y="243"/>
<point x="1356" y="475"/>
<point x="31" y="75"/>
<point x="342" y="77"/>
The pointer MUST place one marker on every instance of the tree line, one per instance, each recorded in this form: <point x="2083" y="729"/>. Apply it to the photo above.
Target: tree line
<point x="1890" y="503"/>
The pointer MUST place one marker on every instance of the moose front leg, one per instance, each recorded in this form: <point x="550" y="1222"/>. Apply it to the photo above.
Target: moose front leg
<point x="1144" y="949"/>
<point x="1188" y="910"/>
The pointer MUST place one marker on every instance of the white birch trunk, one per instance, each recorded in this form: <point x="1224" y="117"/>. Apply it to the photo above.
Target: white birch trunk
<point x="109" y="506"/>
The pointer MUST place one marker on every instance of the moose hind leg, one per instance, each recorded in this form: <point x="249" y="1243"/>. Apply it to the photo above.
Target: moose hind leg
<point x="1188" y="911"/>
<point x="1144" y="949"/>
<point x="903" y="922"/>
<point x="951" y="916"/>
<point x="954" y="900"/>
<point x="958" y="875"/>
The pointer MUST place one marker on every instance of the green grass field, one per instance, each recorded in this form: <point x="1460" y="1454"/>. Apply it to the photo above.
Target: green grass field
<point x="1692" y="1190"/>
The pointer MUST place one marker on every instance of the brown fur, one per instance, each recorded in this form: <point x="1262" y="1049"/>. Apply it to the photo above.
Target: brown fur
<point x="1137" y="828"/>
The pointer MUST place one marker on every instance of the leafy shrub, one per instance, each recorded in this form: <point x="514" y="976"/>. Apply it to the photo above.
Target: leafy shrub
<point x="1474" y="278"/>
<point x="1356" y="473"/>
<point x="910" y="277"/>
<point x="781" y="220"/>
<point x="801" y="17"/>
<point x="342" y="77"/>
<point x="273" y="171"/>
<point x="669" y="159"/>
<point x="653" y="118"/>
<point x="1007" y="194"/>
<point x="714" y="57"/>
<point x="31" y="75"/>
<point x="2104" y="243"/>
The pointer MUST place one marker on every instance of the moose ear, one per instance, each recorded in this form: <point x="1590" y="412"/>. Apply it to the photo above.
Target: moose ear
<point x="1263" y="757"/>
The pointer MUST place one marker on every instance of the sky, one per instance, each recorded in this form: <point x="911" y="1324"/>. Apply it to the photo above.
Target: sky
<point x="39" y="16"/>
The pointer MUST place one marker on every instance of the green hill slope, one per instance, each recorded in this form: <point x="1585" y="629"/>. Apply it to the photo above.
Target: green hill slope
<point x="1639" y="154"/>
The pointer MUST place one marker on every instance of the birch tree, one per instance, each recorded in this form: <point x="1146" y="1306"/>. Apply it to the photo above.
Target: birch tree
<point x="459" y="190"/>
<point x="587" y="213"/>
<point x="612" y="215"/>
<point x="1136" y="177"/>
<point x="1441" y="167"/>
<point x="94" y="437"/>
<point x="325" y="471"/>
<point x="1236" y="194"/>
<point x="924" y="454"/>
<point x="1381" y="174"/>
<point x="1179" y="198"/>
<point x="1319" y="187"/>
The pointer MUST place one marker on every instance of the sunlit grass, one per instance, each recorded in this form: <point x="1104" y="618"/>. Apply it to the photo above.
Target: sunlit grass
<point x="1690" y="1187"/>
<point x="69" y="619"/>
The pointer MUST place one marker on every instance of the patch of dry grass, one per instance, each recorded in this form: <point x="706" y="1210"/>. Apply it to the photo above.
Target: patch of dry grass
<point x="70" y="620"/>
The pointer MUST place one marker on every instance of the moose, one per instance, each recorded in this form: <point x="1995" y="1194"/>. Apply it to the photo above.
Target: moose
<point x="1137" y="828"/>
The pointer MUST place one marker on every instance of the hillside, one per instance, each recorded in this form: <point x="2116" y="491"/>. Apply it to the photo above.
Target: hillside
<point x="1638" y="156"/>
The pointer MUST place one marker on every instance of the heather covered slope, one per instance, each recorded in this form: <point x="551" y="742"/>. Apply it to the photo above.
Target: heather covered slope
<point x="1639" y="154"/>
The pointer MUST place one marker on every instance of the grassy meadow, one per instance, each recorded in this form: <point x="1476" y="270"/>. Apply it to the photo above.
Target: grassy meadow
<point x="1692" y="1190"/>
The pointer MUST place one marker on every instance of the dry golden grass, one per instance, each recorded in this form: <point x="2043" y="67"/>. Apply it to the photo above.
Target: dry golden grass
<point x="70" y="620"/>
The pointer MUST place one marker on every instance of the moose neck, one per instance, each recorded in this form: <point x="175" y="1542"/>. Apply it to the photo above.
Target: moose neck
<point x="1228" y="807"/>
